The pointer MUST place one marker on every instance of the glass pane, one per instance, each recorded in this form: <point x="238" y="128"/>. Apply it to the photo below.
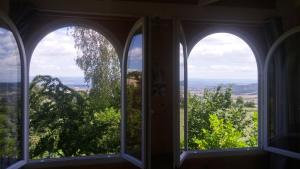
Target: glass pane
<point x="181" y="92"/>
<point x="10" y="100"/>
<point x="284" y="96"/>
<point x="133" y="118"/>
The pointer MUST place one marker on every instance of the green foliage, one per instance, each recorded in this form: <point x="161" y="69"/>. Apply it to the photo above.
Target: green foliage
<point x="56" y="112"/>
<point x="215" y="121"/>
<point x="199" y="109"/>
<point x="101" y="66"/>
<point x="239" y="100"/>
<point x="249" y="104"/>
<point x="220" y="134"/>
<point x="134" y="113"/>
<point x="104" y="132"/>
<point x="9" y="144"/>
<point x="252" y="131"/>
<point x="63" y="123"/>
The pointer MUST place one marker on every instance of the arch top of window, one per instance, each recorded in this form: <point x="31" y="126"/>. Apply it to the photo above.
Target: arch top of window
<point x="244" y="36"/>
<point x="224" y="42"/>
<point x="52" y="26"/>
<point x="14" y="115"/>
<point x="64" y="38"/>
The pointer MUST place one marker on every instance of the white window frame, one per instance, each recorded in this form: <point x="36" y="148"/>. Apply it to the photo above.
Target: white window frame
<point x="179" y="39"/>
<point x="142" y="24"/>
<point x="270" y="55"/>
<point x="24" y="83"/>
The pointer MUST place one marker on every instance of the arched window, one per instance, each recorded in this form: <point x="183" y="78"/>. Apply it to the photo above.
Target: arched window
<point x="74" y="95"/>
<point x="13" y="97"/>
<point x="10" y="99"/>
<point x="134" y="96"/>
<point x="222" y="99"/>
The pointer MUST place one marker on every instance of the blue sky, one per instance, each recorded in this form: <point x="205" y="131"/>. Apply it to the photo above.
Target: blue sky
<point x="135" y="57"/>
<point x="217" y="56"/>
<point x="10" y="69"/>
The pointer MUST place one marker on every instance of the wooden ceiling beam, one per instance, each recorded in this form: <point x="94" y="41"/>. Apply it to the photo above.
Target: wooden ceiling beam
<point x="206" y="2"/>
<point x="139" y="9"/>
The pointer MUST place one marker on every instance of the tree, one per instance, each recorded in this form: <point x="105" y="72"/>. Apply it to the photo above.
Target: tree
<point x="9" y="141"/>
<point x="100" y="63"/>
<point x="199" y="109"/>
<point x="251" y="132"/>
<point x="62" y="123"/>
<point x="56" y="114"/>
<point x="239" y="100"/>
<point x="221" y="134"/>
<point x="101" y="66"/>
<point x="134" y="112"/>
<point x="215" y="122"/>
<point x="250" y="104"/>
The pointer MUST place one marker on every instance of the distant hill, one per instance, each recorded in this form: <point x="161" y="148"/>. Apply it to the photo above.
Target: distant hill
<point x="77" y="83"/>
<point x="9" y="86"/>
<point x="239" y="86"/>
<point x="250" y="89"/>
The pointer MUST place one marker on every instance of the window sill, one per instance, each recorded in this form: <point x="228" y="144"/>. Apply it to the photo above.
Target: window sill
<point x="227" y="159"/>
<point x="197" y="154"/>
<point x="75" y="161"/>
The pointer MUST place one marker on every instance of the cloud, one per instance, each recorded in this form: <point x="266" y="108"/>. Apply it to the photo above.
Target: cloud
<point x="10" y="68"/>
<point x="55" y="55"/>
<point x="135" y="53"/>
<point x="135" y="57"/>
<point x="221" y="56"/>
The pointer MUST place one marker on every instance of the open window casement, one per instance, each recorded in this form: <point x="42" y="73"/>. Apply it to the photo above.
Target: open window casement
<point x="282" y="96"/>
<point x="13" y="97"/>
<point x="135" y="94"/>
<point x="181" y="88"/>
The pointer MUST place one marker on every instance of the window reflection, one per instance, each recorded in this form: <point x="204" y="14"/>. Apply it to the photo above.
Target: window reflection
<point x="10" y="100"/>
<point x="181" y="95"/>
<point x="284" y="96"/>
<point x="133" y="118"/>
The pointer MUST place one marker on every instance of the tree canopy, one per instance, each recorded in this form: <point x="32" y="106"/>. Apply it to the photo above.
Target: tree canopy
<point x="101" y="66"/>
<point x="63" y="123"/>
<point x="215" y="121"/>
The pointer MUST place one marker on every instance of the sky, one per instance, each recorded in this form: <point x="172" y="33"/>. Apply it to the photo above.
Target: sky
<point x="10" y="68"/>
<point x="222" y="56"/>
<point x="135" y="54"/>
<point x="217" y="56"/>
<point x="55" y="55"/>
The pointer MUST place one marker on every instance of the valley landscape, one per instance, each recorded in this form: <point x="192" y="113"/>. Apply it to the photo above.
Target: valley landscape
<point x="245" y="88"/>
